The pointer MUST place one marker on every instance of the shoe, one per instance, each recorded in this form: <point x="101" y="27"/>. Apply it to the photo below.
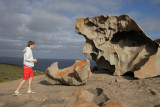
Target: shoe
<point x="17" y="94"/>
<point x="29" y="92"/>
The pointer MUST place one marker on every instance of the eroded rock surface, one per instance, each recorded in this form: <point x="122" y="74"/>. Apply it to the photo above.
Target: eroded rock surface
<point x="93" y="97"/>
<point x="77" y="74"/>
<point x="117" y="43"/>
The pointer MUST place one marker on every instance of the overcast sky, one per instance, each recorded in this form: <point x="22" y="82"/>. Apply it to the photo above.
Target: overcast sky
<point x="51" y="24"/>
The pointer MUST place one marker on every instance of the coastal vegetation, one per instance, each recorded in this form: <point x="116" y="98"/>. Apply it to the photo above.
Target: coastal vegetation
<point x="9" y="72"/>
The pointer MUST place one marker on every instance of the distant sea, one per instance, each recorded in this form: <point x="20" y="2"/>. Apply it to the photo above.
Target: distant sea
<point x="42" y="64"/>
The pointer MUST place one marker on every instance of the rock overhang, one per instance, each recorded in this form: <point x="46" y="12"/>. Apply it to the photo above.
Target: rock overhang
<point x="119" y="41"/>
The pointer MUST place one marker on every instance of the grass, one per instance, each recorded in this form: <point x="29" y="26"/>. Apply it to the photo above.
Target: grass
<point x="9" y="72"/>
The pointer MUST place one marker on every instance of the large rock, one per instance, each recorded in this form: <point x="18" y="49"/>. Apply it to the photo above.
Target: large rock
<point x="117" y="43"/>
<point x="87" y="98"/>
<point x="77" y="74"/>
<point x="92" y="97"/>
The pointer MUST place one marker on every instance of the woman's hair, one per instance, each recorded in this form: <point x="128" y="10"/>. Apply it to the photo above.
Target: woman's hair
<point x="30" y="43"/>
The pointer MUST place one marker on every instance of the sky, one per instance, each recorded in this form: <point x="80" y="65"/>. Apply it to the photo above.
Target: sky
<point x="51" y="24"/>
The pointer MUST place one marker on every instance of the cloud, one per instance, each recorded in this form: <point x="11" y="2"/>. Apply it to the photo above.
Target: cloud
<point x="47" y="22"/>
<point x="13" y="5"/>
<point x="74" y="8"/>
<point x="50" y="23"/>
<point x="12" y="24"/>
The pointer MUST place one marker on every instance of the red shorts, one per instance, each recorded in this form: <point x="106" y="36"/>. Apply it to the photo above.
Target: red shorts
<point x="28" y="72"/>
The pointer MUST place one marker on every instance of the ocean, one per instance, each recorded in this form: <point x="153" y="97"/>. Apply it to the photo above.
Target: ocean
<point x="42" y="64"/>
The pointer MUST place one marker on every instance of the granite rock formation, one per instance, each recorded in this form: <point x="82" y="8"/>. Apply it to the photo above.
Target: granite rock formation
<point x="77" y="74"/>
<point x="118" y="44"/>
<point x="91" y="98"/>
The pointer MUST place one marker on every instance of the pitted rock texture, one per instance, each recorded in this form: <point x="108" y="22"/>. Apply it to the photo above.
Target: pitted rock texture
<point x="117" y="43"/>
<point x="92" y="97"/>
<point x="77" y="74"/>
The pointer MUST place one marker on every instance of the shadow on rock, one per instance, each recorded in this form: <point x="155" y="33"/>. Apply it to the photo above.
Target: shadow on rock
<point x="129" y="76"/>
<point x="157" y="105"/>
<point x="44" y="82"/>
<point x="102" y="72"/>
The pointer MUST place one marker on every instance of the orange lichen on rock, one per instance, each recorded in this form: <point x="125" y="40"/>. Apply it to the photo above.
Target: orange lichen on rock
<point x="60" y="74"/>
<point x="77" y="74"/>
<point x="113" y="103"/>
<point x="82" y="98"/>
<point x="91" y="98"/>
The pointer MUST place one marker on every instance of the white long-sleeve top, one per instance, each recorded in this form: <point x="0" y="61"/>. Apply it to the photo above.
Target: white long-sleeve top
<point x="28" y="57"/>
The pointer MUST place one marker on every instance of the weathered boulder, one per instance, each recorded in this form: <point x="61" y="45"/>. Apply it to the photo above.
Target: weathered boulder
<point x="117" y="43"/>
<point x="92" y="97"/>
<point x="87" y="98"/>
<point x="77" y="74"/>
